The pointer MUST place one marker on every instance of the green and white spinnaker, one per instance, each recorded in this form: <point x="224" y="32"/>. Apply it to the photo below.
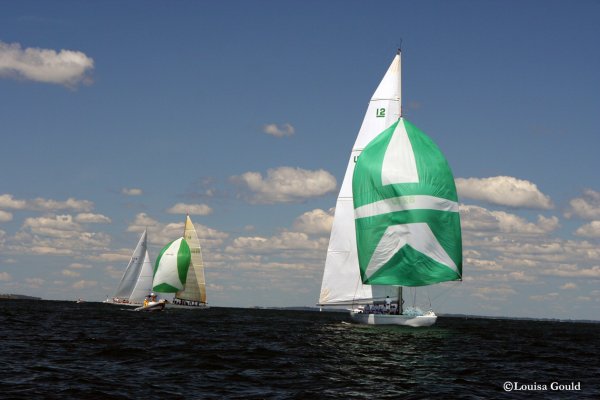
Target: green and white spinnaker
<point x="406" y="211"/>
<point x="171" y="267"/>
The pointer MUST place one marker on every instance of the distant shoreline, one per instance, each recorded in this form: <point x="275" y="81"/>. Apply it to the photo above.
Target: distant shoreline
<point x="18" y="297"/>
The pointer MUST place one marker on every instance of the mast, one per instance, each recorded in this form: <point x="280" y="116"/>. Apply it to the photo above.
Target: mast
<point x="399" y="53"/>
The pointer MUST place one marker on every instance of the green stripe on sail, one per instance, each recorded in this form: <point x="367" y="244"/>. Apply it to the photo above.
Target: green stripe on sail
<point x="165" y="288"/>
<point x="389" y="243"/>
<point x="184" y="257"/>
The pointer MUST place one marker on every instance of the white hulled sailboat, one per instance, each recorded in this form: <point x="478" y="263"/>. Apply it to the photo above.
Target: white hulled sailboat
<point x="396" y="221"/>
<point x="136" y="282"/>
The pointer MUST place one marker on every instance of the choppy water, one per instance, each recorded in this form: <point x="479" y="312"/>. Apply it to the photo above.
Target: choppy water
<point x="61" y="350"/>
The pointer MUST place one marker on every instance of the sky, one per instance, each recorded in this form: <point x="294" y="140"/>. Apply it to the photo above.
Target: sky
<point x="121" y="116"/>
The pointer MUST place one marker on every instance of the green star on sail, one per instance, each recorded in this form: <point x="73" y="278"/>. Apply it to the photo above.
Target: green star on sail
<point x="406" y="211"/>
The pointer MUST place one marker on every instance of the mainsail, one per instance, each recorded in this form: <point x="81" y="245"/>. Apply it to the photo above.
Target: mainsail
<point x="171" y="267"/>
<point x="195" y="286"/>
<point x="137" y="278"/>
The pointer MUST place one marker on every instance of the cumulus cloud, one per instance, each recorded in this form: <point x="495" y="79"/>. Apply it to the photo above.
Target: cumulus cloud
<point x="5" y="276"/>
<point x="70" y="274"/>
<point x="505" y="191"/>
<point x="59" y="235"/>
<point x="586" y="207"/>
<point x="160" y="233"/>
<point x="568" y="286"/>
<point x="132" y="192"/>
<point x="194" y="209"/>
<point x="478" y="219"/>
<point x="5" y="216"/>
<point x="66" y="67"/>
<point x="80" y="266"/>
<point x="591" y="230"/>
<point x="90" y="218"/>
<point x="279" y="131"/>
<point x="7" y="201"/>
<point x="41" y="204"/>
<point x="285" y="185"/>
<point x="83" y="284"/>
<point x="315" y="222"/>
<point x="284" y="241"/>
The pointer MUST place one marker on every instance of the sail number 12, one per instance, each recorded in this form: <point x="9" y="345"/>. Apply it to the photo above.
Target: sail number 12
<point x="380" y="112"/>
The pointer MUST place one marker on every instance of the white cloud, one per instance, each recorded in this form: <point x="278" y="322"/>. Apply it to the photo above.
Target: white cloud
<point x="591" y="229"/>
<point x="7" y="201"/>
<point x="586" y="207"/>
<point x="5" y="276"/>
<point x="279" y="131"/>
<point x="573" y="271"/>
<point x="159" y="233"/>
<point x="70" y="274"/>
<point x="568" y="286"/>
<point x="58" y="235"/>
<point x="284" y="241"/>
<point x="478" y="219"/>
<point x="83" y="284"/>
<point x="316" y="222"/>
<point x="132" y="192"/>
<point x="503" y="190"/>
<point x="194" y="209"/>
<point x="5" y="216"/>
<point x="80" y="266"/>
<point x="92" y="218"/>
<point x="41" y="204"/>
<point x="286" y="184"/>
<point x="66" y="67"/>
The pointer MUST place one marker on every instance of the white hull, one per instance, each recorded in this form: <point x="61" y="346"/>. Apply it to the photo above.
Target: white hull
<point x="391" y="319"/>
<point x="118" y="303"/>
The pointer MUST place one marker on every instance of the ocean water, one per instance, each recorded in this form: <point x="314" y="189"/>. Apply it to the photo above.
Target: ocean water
<point x="64" y="350"/>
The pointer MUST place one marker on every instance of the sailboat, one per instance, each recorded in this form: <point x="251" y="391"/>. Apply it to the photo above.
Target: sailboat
<point x="396" y="221"/>
<point x="136" y="282"/>
<point x="179" y="269"/>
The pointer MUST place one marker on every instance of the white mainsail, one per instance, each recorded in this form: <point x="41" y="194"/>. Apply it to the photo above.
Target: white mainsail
<point x="342" y="283"/>
<point x="136" y="282"/>
<point x="195" y="286"/>
<point x="144" y="282"/>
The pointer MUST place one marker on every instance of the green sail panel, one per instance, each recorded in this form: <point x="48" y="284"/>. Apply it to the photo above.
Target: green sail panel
<point x="406" y="211"/>
<point x="171" y="267"/>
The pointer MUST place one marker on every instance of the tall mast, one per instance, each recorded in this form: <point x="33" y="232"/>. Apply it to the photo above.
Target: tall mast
<point x="400" y="80"/>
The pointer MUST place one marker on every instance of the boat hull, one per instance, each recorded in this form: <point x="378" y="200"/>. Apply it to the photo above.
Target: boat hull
<point x="391" y="319"/>
<point x="181" y="306"/>
<point x="152" y="306"/>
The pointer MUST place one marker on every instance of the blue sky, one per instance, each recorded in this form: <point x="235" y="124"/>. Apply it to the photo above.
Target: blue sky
<point x="112" y="113"/>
